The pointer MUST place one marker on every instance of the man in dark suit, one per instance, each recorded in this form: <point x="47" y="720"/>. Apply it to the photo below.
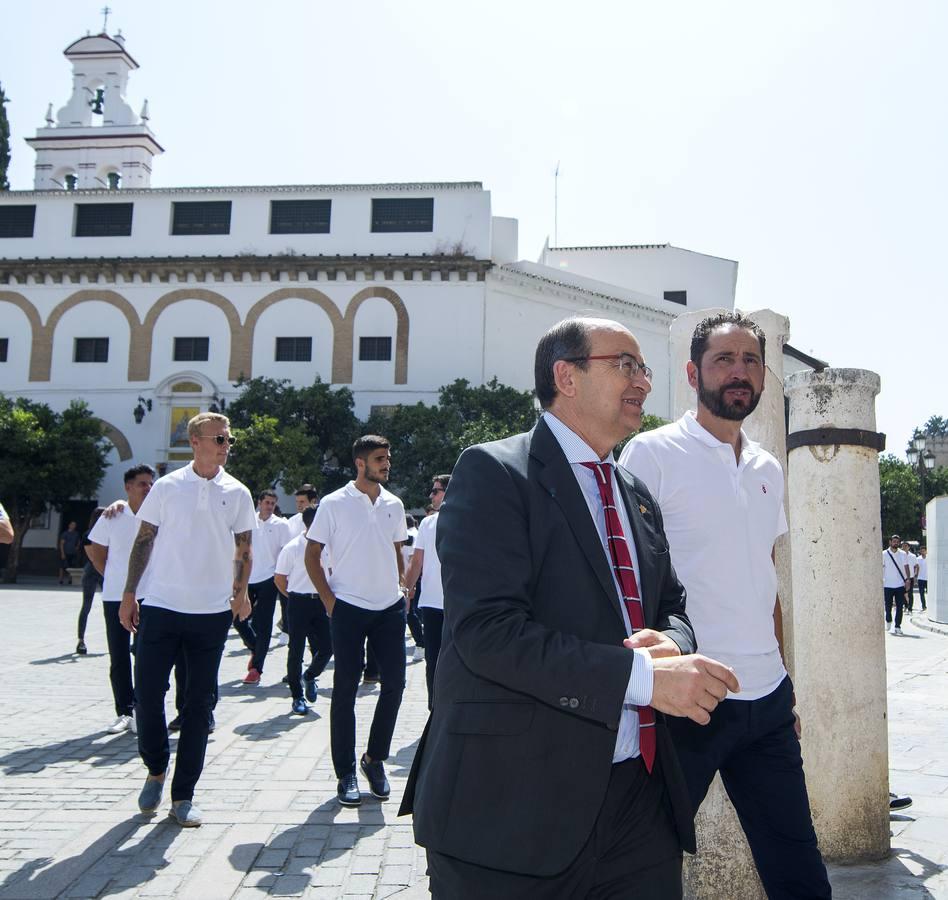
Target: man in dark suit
<point x="546" y="770"/>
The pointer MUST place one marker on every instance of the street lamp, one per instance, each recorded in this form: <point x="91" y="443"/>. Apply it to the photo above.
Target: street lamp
<point x="924" y="460"/>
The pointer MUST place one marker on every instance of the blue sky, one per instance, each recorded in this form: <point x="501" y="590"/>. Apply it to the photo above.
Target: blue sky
<point x="808" y="141"/>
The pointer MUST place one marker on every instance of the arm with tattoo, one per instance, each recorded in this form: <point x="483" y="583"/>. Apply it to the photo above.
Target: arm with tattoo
<point x="137" y="562"/>
<point x="243" y="562"/>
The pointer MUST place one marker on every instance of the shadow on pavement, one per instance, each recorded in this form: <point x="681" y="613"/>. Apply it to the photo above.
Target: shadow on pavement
<point x="403" y="759"/>
<point x="307" y="847"/>
<point x="272" y="728"/>
<point x="100" y="749"/>
<point x="128" y="867"/>
<point x="64" y="659"/>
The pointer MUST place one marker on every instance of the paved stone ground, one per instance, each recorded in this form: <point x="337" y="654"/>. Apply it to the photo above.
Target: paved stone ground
<point x="69" y="824"/>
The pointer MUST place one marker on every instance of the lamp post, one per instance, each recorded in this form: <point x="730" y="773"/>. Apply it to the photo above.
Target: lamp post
<point x="924" y="460"/>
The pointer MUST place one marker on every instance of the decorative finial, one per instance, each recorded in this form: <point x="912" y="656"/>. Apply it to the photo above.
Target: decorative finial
<point x="144" y="112"/>
<point x="49" y="115"/>
<point x="105" y="21"/>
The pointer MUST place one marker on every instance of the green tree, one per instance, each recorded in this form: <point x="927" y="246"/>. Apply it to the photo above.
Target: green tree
<point x="936" y="426"/>
<point x="4" y="142"/>
<point x="268" y="454"/>
<point x="900" y="497"/>
<point x="323" y="414"/>
<point x="49" y="459"/>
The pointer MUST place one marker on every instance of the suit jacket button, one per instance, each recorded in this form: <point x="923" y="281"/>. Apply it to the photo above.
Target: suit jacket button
<point x="573" y="703"/>
<point x="564" y="701"/>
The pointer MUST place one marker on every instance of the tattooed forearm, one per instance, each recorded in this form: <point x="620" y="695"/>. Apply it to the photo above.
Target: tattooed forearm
<point x="141" y="553"/>
<point x="243" y="557"/>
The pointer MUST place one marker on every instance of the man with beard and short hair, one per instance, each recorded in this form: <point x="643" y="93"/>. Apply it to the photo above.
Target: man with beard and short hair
<point x="362" y="526"/>
<point x="721" y="496"/>
<point x="895" y="579"/>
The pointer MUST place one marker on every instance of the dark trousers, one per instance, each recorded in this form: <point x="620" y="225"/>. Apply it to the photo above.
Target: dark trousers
<point x="434" y="625"/>
<point x="632" y="852"/>
<point x="415" y="621"/>
<point x="245" y="629"/>
<point x="753" y="745"/>
<point x="910" y="596"/>
<point x="898" y="595"/>
<point x="263" y="596"/>
<point x="385" y="631"/>
<point x="162" y="636"/>
<point x="307" y="622"/>
<point x="91" y="582"/>
<point x="119" y="641"/>
<point x="181" y="687"/>
<point x="371" y="666"/>
<point x="922" y="587"/>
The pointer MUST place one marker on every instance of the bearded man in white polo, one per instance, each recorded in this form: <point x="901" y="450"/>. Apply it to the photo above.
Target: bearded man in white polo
<point x="190" y="567"/>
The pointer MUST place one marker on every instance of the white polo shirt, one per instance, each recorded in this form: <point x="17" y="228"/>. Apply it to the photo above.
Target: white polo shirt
<point x="268" y="540"/>
<point x="912" y="561"/>
<point x="296" y="525"/>
<point x="923" y="568"/>
<point x="432" y="591"/>
<point x="118" y="534"/>
<point x="893" y="572"/>
<point x="191" y="569"/>
<point x="721" y="519"/>
<point x="291" y="565"/>
<point x="361" y="536"/>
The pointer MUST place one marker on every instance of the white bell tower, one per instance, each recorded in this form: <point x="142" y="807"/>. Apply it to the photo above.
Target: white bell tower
<point x="96" y="141"/>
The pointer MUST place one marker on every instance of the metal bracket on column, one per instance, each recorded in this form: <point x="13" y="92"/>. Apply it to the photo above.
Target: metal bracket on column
<point x="826" y="437"/>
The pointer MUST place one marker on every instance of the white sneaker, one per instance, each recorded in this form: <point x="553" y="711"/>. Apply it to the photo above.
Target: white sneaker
<point x="133" y="728"/>
<point x="122" y="723"/>
<point x="897" y="631"/>
<point x="419" y="654"/>
<point x="283" y="639"/>
<point x="888" y="626"/>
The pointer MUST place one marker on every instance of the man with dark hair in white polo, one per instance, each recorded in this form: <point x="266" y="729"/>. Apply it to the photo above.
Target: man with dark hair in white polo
<point x="363" y="526"/>
<point x="190" y="566"/>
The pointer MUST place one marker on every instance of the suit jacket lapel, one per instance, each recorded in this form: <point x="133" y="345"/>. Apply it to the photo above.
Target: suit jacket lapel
<point x="644" y="545"/>
<point x="557" y="478"/>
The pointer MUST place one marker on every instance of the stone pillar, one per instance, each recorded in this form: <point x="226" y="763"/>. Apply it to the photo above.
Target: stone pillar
<point x="723" y="855"/>
<point x="936" y="521"/>
<point x="839" y="654"/>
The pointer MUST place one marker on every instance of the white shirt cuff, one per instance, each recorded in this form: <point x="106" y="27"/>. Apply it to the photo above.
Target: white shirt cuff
<point x="639" y="691"/>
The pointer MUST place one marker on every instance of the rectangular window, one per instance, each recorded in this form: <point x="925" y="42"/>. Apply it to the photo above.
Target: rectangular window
<point x="300" y="216"/>
<point x="191" y="349"/>
<point x="103" y="219"/>
<point x="4" y="348"/>
<point x="91" y="350"/>
<point x="205" y="217"/>
<point x="403" y="214"/>
<point x="294" y="349"/>
<point x="17" y="221"/>
<point x="375" y="349"/>
<point x="677" y="297"/>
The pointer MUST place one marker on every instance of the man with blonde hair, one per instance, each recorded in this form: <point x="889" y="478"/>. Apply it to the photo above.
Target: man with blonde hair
<point x="187" y="580"/>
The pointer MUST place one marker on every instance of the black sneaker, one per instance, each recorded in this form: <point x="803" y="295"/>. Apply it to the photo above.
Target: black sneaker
<point x="175" y="724"/>
<point x="81" y="648"/>
<point x="378" y="783"/>
<point x="309" y="686"/>
<point x="896" y="802"/>
<point x="299" y="707"/>
<point x="347" y="791"/>
<point x="211" y="723"/>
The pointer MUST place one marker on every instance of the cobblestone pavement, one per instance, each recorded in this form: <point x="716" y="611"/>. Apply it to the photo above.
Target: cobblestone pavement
<point x="69" y="824"/>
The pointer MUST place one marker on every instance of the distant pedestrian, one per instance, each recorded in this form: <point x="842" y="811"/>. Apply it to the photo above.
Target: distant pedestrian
<point x="306" y="497"/>
<point x="194" y="550"/>
<point x="110" y="542"/>
<point x="922" y="574"/>
<point x="911" y="561"/>
<point x="91" y="582"/>
<point x="425" y="562"/>
<point x="415" y="625"/>
<point x="69" y="542"/>
<point x="895" y="579"/>
<point x="363" y="526"/>
<point x="306" y="618"/>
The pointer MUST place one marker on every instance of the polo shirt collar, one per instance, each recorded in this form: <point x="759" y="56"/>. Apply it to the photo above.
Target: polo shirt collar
<point x="576" y="450"/>
<point x="690" y="425"/>
<point x="353" y="491"/>
<point x="191" y="475"/>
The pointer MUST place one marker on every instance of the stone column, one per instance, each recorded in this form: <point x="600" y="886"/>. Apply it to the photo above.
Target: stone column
<point x="839" y="652"/>
<point x="936" y="520"/>
<point x="723" y="855"/>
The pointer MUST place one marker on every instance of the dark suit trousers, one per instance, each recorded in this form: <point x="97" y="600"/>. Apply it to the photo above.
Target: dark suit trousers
<point x="307" y="621"/>
<point x="632" y="853"/>
<point x="119" y="640"/>
<point x="263" y="596"/>
<point x="753" y="744"/>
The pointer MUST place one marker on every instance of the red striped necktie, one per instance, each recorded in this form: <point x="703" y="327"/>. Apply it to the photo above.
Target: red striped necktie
<point x="625" y="575"/>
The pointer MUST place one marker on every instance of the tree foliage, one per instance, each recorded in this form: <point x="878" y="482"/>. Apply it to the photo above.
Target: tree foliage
<point x="936" y="426"/>
<point x="267" y="454"/>
<point x="901" y="495"/>
<point x="49" y="459"/>
<point x="4" y="142"/>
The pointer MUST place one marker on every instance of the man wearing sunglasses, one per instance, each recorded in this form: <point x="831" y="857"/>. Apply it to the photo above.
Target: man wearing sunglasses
<point x="190" y="565"/>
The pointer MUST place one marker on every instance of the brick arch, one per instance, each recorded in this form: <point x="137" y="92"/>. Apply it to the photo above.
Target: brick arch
<point x="36" y="327"/>
<point x="117" y="439"/>
<point x="143" y="350"/>
<point x="347" y="332"/>
<point x="313" y="296"/>
<point x="42" y="359"/>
